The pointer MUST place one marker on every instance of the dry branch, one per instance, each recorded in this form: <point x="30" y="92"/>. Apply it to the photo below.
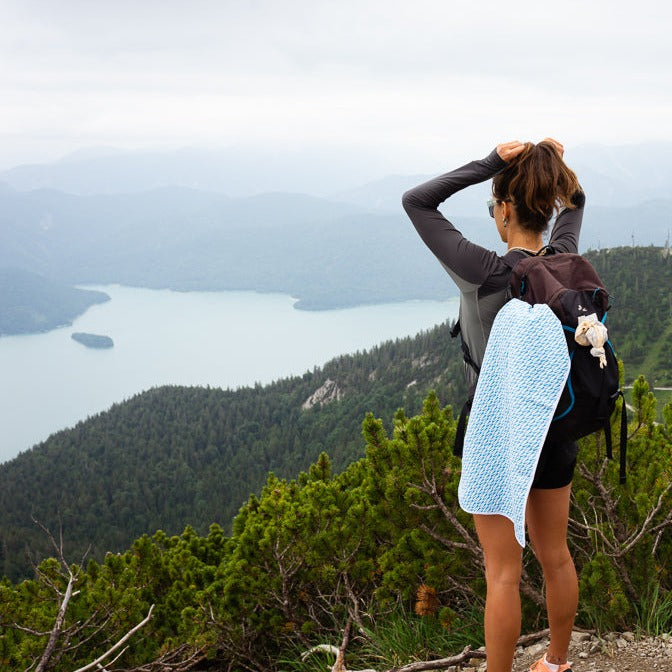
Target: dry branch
<point x="113" y="648"/>
<point x="64" y="597"/>
<point x="441" y="663"/>
<point x="419" y="666"/>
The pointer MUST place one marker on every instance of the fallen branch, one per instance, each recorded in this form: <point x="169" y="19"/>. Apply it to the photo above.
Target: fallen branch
<point x="419" y="666"/>
<point x="467" y="654"/>
<point x="524" y="640"/>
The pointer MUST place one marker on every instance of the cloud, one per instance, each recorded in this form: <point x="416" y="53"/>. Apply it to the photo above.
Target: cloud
<point x="407" y="79"/>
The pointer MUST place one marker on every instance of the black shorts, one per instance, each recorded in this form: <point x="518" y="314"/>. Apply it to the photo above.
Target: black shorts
<point x="556" y="464"/>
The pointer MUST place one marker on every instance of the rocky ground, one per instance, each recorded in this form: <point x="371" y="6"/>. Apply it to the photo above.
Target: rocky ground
<point x="615" y="652"/>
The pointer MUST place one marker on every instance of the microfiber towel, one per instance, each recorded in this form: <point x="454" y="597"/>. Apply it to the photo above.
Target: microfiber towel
<point x="524" y="371"/>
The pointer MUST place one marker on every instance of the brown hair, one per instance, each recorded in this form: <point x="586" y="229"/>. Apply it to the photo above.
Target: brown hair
<point x="537" y="181"/>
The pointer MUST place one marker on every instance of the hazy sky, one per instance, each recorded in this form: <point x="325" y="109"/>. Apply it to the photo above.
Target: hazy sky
<point x="409" y="80"/>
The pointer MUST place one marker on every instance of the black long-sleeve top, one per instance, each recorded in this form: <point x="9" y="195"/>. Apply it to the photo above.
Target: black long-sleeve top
<point x="481" y="275"/>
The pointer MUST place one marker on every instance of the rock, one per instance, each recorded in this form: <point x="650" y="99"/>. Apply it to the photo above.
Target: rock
<point x="328" y="392"/>
<point x="644" y="654"/>
<point x="578" y="637"/>
<point x="536" y="649"/>
<point x="628" y="636"/>
<point x="421" y="362"/>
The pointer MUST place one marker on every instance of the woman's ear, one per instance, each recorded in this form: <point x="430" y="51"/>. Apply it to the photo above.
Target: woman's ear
<point x="507" y="209"/>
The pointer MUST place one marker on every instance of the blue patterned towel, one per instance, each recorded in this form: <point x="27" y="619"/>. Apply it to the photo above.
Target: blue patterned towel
<point x="524" y="371"/>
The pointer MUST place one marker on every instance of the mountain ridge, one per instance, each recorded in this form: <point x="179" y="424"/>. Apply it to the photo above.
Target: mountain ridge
<point x="328" y="254"/>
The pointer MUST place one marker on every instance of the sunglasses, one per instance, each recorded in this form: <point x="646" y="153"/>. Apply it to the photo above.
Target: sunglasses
<point x="491" y="204"/>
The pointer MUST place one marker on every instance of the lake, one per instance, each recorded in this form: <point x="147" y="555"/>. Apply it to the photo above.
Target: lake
<point x="161" y="337"/>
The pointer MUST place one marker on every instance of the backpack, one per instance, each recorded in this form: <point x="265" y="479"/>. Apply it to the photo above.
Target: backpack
<point x="571" y="287"/>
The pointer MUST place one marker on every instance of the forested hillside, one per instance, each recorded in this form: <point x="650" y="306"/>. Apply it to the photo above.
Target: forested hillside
<point x="640" y="322"/>
<point x="177" y="456"/>
<point x="378" y="559"/>
<point x="31" y="303"/>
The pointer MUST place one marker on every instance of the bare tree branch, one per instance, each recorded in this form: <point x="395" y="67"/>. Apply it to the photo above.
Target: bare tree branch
<point x="441" y="663"/>
<point x="113" y="648"/>
<point x="649" y="517"/>
<point x="21" y="628"/>
<point x="431" y="490"/>
<point x="58" y="625"/>
<point x="81" y="627"/>
<point x="527" y="588"/>
<point x="444" y="541"/>
<point x="175" y="661"/>
<point x="114" y="660"/>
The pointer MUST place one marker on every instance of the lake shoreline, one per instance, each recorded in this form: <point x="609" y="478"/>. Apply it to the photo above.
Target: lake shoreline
<point x="229" y="340"/>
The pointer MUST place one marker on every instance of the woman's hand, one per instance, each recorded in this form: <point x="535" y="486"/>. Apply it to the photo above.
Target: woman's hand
<point x="509" y="150"/>
<point x="558" y="145"/>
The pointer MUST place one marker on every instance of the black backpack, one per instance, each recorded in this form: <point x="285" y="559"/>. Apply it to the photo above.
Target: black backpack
<point x="571" y="287"/>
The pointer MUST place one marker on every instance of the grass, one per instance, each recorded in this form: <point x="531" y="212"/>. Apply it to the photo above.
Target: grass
<point x="396" y="639"/>
<point x="654" y="612"/>
<point x="404" y="638"/>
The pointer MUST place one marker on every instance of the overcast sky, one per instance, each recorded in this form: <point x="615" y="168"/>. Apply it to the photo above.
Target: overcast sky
<point x="411" y="81"/>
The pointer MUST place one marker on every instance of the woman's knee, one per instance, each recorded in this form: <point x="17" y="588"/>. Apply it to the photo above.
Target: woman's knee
<point x="553" y="559"/>
<point x="503" y="573"/>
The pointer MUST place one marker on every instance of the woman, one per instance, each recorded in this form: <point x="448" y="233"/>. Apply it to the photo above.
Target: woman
<point x="529" y="184"/>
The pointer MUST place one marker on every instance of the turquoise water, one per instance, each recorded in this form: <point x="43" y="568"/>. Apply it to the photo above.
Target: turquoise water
<point x="221" y="339"/>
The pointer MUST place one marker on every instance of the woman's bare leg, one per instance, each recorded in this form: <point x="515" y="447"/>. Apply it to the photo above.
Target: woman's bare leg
<point x="547" y="514"/>
<point x="503" y="557"/>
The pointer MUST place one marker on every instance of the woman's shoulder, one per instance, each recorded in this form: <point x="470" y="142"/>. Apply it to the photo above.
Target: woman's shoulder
<point x="500" y="272"/>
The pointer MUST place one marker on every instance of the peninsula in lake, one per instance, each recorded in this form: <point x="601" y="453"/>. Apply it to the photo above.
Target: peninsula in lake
<point x="32" y="303"/>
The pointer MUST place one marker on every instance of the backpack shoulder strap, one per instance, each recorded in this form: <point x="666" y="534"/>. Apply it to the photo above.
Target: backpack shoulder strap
<point x="546" y="250"/>
<point x="466" y="355"/>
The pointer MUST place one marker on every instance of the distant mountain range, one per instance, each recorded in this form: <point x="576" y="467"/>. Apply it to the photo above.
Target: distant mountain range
<point x="327" y="254"/>
<point x="234" y="171"/>
<point x="612" y="176"/>
<point x="177" y="228"/>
